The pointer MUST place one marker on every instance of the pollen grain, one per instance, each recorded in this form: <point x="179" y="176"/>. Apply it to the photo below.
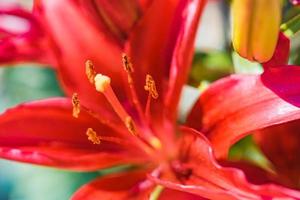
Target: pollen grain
<point x="76" y="105"/>
<point x="92" y="136"/>
<point x="90" y="71"/>
<point x="151" y="87"/>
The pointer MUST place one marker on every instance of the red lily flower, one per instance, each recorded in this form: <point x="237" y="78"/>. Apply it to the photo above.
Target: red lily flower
<point x="158" y="35"/>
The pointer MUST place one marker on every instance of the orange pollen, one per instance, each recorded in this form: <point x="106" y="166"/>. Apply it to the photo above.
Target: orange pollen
<point x="76" y="105"/>
<point x="127" y="63"/>
<point x="151" y="87"/>
<point x="92" y="136"/>
<point x="90" y="71"/>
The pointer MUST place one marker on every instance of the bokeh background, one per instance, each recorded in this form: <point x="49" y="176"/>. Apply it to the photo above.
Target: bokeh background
<point x="213" y="59"/>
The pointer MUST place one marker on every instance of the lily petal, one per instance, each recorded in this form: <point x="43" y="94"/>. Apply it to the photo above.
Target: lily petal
<point x="116" y="16"/>
<point x="281" y="145"/>
<point x="210" y="180"/>
<point x="22" y="38"/>
<point x="238" y="105"/>
<point x="45" y="133"/>
<point x="75" y="44"/>
<point x="113" y="187"/>
<point x="161" y="45"/>
<point x="167" y="194"/>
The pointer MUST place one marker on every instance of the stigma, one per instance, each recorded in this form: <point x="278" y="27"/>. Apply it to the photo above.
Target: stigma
<point x="102" y="82"/>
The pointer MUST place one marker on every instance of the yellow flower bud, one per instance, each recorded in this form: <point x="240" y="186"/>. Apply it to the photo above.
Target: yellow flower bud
<point x="255" y="28"/>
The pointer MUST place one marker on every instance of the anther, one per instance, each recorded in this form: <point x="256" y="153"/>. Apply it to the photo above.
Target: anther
<point x="90" y="71"/>
<point x="127" y="63"/>
<point x="92" y="136"/>
<point x="130" y="125"/>
<point x="101" y="82"/>
<point x="76" y="105"/>
<point x="151" y="87"/>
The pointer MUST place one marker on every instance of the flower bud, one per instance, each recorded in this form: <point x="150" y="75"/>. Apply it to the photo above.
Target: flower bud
<point x="255" y="28"/>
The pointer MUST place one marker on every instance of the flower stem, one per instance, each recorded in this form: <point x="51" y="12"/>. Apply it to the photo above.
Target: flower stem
<point x="292" y="26"/>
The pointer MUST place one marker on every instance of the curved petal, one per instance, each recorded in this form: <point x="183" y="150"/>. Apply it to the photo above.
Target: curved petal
<point x="237" y="105"/>
<point x="183" y="53"/>
<point x="114" y="187"/>
<point x="161" y="45"/>
<point x="167" y="194"/>
<point x="45" y="133"/>
<point x="77" y="40"/>
<point x="22" y="37"/>
<point x="281" y="54"/>
<point x="253" y="173"/>
<point x="117" y="17"/>
<point x="281" y="145"/>
<point x="210" y="180"/>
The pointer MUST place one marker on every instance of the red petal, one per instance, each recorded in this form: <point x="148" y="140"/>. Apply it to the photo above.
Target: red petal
<point x="78" y="39"/>
<point x="116" y="16"/>
<point x="162" y="41"/>
<point x="212" y="181"/>
<point x="113" y="187"/>
<point x="240" y="104"/>
<point x="253" y="173"/>
<point x="168" y="194"/>
<point x="22" y="37"/>
<point x="282" y="52"/>
<point x="45" y="133"/>
<point x="281" y="144"/>
<point x="183" y="52"/>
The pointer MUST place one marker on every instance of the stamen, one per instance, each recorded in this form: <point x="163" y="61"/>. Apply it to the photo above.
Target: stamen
<point x="151" y="87"/>
<point x="130" y="125"/>
<point x="76" y="105"/>
<point x="127" y="63"/>
<point x="102" y="84"/>
<point x="90" y="71"/>
<point x="128" y="67"/>
<point x="92" y="136"/>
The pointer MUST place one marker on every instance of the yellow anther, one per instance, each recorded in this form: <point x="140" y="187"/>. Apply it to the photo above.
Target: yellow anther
<point x="151" y="87"/>
<point x="101" y="82"/>
<point x="130" y="125"/>
<point x="90" y="71"/>
<point x="92" y="136"/>
<point x="76" y="105"/>
<point x="127" y="63"/>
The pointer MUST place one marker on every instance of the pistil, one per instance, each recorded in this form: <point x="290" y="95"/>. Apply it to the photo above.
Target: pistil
<point x="102" y="84"/>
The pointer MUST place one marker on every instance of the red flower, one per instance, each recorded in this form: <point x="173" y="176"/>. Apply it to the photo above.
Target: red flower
<point x="109" y="125"/>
